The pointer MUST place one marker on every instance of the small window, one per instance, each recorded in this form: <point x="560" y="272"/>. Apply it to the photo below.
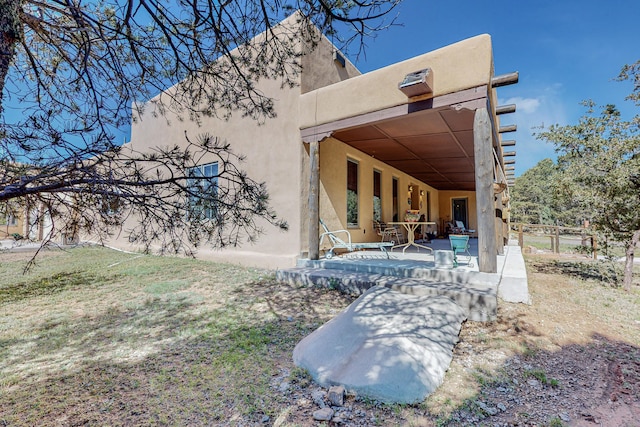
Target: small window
<point x="111" y="202"/>
<point x="111" y="205"/>
<point x="352" y="193"/>
<point x="203" y="191"/>
<point x="377" y="199"/>
<point x="11" y="221"/>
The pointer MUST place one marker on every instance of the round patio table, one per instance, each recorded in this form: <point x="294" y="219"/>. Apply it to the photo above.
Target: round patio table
<point x="411" y="227"/>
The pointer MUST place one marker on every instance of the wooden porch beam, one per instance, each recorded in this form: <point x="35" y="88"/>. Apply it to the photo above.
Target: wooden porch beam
<point x="485" y="205"/>
<point x="508" y="143"/>
<point x="510" y="162"/>
<point x="505" y="79"/>
<point x="505" y="109"/>
<point x="509" y="154"/>
<point x="508" y="128"/>
<point x="470" y="99"/>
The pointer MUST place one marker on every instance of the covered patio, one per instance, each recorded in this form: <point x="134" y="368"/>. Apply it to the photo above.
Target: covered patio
<point x="443" y="132"/>
<point x="432" y="119"/>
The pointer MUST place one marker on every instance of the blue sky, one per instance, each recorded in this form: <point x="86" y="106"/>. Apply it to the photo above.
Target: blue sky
<point x="565" y="50"/>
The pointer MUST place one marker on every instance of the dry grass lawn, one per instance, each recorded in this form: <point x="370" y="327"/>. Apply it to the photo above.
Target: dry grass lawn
<point x="92" y="336"/>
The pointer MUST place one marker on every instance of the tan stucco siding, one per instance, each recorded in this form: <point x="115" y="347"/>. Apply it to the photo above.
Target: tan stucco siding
<point x="319" y="68"/>
<point x="273" y="154"/>
<point x="460" y="66"/>
<point x="446" y="212"/>
<point x="333" y="194"/>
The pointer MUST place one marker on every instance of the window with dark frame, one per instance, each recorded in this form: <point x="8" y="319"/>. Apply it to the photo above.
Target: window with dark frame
<point x="203" y="191"/>
<point x="396" y="202"/>
<point x="377" y="196"/>
<point x="10" y="220"/>
<point x="352" y="193"/>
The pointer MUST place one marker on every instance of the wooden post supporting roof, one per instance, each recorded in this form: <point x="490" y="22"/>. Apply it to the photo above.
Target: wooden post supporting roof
<point x="485" y="206"/>
<point x="314" y="200"/>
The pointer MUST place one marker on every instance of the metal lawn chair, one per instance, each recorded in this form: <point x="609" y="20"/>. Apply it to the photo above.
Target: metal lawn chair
<point x="460" y="245"/>
<point x="388" y="233"/>
<point x="338" y="243"/>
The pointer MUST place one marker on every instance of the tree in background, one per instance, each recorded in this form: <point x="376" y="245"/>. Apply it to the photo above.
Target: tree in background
<point x="74" y="69"/>
<point x="537" y="198"/>
<point x="599" y="164"/>
<point x="532" y="196"/>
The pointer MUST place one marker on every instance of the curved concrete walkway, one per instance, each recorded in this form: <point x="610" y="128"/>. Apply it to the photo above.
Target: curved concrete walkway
<point x="386" y="345"/>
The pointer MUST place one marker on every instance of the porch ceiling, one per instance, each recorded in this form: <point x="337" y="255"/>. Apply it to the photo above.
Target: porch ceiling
<point x="433" y="145"/>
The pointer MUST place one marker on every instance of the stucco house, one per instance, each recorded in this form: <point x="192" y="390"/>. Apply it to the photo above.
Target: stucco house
<point x="11" y="225"/>
<point x="420" y="134"/>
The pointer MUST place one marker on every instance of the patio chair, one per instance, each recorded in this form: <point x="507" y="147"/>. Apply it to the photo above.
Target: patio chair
<point x="388" y="233"/>
<point x="460" y="245"/>
<point x="338" y="243"/>
<point x="462" y="229"/>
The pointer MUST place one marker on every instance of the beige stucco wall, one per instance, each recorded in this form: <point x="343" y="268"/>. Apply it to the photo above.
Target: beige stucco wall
<point x="320" y="70"/>
<point x="456" y="67"/>
<point x="274" y="154"/>
<point x="333" y="194"/>
<point x="446" y="212"/>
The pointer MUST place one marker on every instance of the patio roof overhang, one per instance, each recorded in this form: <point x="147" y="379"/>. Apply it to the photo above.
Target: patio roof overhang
<point x="431" y="140"/>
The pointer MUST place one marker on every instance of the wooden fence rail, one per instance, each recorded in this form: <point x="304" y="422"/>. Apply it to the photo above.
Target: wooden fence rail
<point x="555" y="233"/>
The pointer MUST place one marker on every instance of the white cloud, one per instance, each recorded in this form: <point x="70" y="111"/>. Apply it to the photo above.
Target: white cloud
<point x="525" y="105"/>
<point x="541" y="106"/>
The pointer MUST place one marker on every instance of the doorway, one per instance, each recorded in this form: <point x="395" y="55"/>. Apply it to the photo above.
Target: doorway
<point x="459" y="211"/>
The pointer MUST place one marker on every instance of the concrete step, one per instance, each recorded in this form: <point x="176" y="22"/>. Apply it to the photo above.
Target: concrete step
<point x="478" y="300"/>
<point x="423" y="270"/>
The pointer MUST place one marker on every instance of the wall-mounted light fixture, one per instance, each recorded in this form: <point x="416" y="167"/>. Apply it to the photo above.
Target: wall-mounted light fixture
<point x="421" y="193"/>
<point x="417" y="83"/>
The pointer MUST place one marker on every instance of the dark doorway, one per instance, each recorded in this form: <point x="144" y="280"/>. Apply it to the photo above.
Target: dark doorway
<point x="459" y="211"/>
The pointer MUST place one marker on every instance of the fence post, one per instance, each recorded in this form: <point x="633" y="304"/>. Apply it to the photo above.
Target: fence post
<point x="594" y="245"/>
<point x="557" y="240"/>
<point x="520" y="236"/>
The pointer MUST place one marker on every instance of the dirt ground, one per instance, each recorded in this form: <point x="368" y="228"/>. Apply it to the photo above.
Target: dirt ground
<point x="571" y="358"/>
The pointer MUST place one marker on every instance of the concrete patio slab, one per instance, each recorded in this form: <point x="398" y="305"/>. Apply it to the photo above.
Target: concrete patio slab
<point x="387" y="345"/>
